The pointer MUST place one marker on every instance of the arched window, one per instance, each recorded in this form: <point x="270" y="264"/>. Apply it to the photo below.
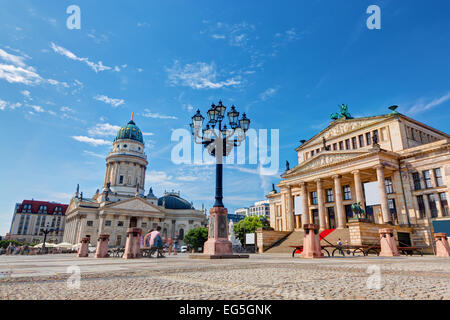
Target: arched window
<point x="181" y="234"/>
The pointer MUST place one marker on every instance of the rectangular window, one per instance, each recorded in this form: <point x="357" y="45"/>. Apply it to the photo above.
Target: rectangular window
<point x="413" y="137"/>
<point x="120" y="179"/>
<point x="421" y="204"/>
<point x="438" y="175"/>
<point x="416" y="179"/>
<point x="318" y="151"/>
<point x="120" y="223"/>
<point x="354" y="143"/>
<point x="334" y="146"/>
<point x="330" y="197"/>
<point x="144" y="225"/>
<point x="392" y="209"/>
<point x="312" y="153"/>
<point x="107" y="223"/>
<point x="361" y="141"/>
<point x="119" y="240"/>
<point x="376" y="137"/>
<point x="444" y="203"/>
<point x="90" y="223"/>
<point x="314" y="197"/>
<point x="433" y="207"/>
<point x="341" y="145"/>
<point x="368" y="139"/>
<point x="427" y="179"/>
<point x="347" y="144"/>
<point x="347" y="193"/>
<point x="389" y="186"/>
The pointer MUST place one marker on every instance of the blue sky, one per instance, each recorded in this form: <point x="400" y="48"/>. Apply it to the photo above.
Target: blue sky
<point x="288" y="64"/>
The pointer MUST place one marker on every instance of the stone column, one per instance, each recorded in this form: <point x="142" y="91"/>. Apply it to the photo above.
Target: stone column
<point x="359" y="189"/>
<point x="290" y="210"/>
<point x="101" y="223"/>
<point x="339" y="202"/>
<point x="388" y="243"/>
<point x="133" y="245"/>
<point x="102" y="246"/>
<point x="321" y="204"/>
<point x="311" y="242"/>
<point x="75" y="233"/>
<point x="427" y="206"/>
<point x="442" y="247"/>
<point x="83" y="251"/>
<point x="305" y="207"/>
<point x="438" y="205"/>
<point x="297" y="222"/>
<point x="383" y="195"/>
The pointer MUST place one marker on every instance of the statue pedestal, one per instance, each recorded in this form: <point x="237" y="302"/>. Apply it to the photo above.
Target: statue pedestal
<point x="388" y="244"/>
<point x="83" y="252"/>
<point x="442" y="247"/>
<point x="218" y="246"/>
<point x="311" y="242"/>
<point x="102" y="246"/>
<point x="133" y="245"/>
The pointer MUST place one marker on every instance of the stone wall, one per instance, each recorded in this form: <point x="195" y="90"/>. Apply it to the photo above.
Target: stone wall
<point x="266" y="238"/>
<point x="364" y="233"/>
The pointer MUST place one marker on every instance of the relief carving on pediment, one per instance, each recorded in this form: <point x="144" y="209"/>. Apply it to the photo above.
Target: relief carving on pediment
<point x="325" y="160"/>
<point x="343" y="128"/>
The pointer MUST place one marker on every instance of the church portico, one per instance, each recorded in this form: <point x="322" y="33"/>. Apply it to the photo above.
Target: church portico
<point x="367" y="161"/>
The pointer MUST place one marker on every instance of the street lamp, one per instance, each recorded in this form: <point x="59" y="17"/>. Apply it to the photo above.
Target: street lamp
<point x="219" y="139"/>
<point x="46" y="231"/>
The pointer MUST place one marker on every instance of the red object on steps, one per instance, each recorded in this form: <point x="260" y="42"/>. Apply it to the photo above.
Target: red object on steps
<point x="325" y="233"/>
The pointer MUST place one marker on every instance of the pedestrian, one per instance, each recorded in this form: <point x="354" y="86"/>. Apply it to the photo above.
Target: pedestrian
<point x="169" y="245"/>
<point x="339" y="243"/>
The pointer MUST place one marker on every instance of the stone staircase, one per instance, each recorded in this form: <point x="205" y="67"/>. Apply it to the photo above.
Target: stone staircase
<point x="296" y="238"/>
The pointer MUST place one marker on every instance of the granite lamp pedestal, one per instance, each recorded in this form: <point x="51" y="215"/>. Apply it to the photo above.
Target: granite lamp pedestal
<point x="387" y="243"/>
<point x="218" y="246"/>
<point x="102" y="246"/>
<point x="442" y="247"/>
<point x="83" y="252"/>
<point x="133" y="244"/>
<point x="311" y="242"/>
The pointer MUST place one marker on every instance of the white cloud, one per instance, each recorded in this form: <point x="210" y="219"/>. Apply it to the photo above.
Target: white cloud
<point x="67" y="109"/>
<point x="93" y="154"/>
<point x="97" y="67"/>
<point x="3" y="104"/>
<point x="198" y="75"/>
<point x="111" y="101"/>
<point x="91" y="141"/>
<point x="143" y="24"/>
<point x="14" y="74"/>
<point x="148" y="134"/>
<point x="104" y="130"/>
<point x="26" y="93"/>
<point x="56" y="82"/>
<point x="149" y="114"/>
<point x="38" y="109"/>
<point x="421" y="106"/>
<point x="270" y="92"/>
<point x="16" y="60"/>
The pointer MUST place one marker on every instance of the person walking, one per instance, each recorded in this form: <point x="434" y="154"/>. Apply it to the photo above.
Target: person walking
<point x="339" y="243"/>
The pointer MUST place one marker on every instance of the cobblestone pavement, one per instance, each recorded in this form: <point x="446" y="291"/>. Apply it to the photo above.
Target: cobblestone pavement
<point x="266" y="276"/>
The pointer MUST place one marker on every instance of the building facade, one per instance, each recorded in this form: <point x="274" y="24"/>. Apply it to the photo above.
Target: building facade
<point x="31" y="216"/>
<point x="406" y="161"/>
<point x="122" y="204"/>
<point x="260" y="208"/>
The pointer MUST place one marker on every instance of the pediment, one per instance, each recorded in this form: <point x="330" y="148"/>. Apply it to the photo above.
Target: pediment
<point x="341" y="127"/>
<point x="72" y="206"/>
<point x="136" y="204"/>
<point x="325" y="159"/>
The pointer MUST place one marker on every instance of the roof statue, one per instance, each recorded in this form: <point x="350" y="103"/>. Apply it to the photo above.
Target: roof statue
<point x="343" y="113"/>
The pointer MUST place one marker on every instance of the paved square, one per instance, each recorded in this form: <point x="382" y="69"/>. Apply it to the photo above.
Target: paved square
<point x="266" y="276"/>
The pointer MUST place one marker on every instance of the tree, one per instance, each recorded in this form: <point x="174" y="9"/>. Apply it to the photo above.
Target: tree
<point x="249" y="225"/>
<point x="196" y="237"/>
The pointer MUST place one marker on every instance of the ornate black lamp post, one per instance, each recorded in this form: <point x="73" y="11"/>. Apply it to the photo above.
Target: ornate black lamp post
<point x="219" y="140"/>
<point x="46" y="231"/>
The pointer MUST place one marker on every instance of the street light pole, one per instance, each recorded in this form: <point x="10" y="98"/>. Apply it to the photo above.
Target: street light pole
<point x="219" y="140"/>
<point x="46" y="231"/>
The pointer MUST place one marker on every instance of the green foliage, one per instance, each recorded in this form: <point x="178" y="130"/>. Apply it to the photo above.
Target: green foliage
<point x="196" y="237"/>
<point x="249" y="225"/>
<point x="5" y="243"/>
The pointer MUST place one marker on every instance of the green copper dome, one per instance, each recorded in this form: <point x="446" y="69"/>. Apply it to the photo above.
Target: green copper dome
<point x="130" y="131"/>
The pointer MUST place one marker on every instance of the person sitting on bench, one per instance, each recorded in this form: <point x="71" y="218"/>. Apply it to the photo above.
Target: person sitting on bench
<point x="156" y="243"/>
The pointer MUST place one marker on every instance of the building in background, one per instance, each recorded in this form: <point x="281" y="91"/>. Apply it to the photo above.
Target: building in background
<point x="241" y="211"/>
<point x="397" y="168"/>
<point x="260" y="208"/>
<point x="122" y="204"/>
<point x="31" y="216"/>
<point x="236" y="217"/>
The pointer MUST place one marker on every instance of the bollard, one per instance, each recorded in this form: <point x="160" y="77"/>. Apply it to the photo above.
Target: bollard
<point x="388" y="244"/>
<point x="311" y="242"/>
<point x="442" y="247"/>
<point x="83" y="252"/>
<point x="133" y="245"/>
<point x="102" y="246"/>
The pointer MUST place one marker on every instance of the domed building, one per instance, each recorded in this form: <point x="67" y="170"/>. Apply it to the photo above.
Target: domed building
<point x="122" y="202"/>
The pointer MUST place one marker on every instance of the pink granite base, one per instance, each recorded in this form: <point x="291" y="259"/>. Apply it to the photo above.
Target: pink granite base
<point x="133" y="244"/>
<point x="102" y="246"/>
<point x="388" y="243"/>
<point x="442" y="247"/>
<point x="83" y="252"/>
<point x="311" y="242"/>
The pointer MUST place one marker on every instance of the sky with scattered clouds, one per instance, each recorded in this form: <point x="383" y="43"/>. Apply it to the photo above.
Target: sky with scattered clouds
<point x="287" y="64"/>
